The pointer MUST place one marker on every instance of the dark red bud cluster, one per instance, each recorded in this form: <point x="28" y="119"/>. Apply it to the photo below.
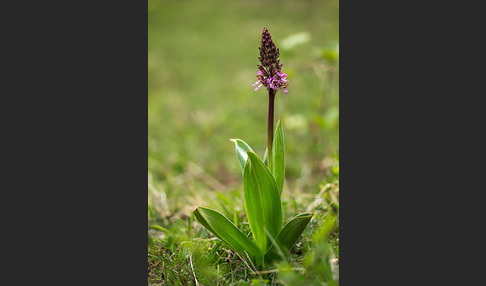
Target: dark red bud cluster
<point x="269" y="54"/>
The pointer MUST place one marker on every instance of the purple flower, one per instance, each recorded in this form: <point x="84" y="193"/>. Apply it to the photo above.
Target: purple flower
<point x="270" y="71"/>
<point x="258" y="83"/>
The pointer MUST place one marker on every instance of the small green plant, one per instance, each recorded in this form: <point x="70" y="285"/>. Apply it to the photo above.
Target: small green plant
<point x="262" y="183"/>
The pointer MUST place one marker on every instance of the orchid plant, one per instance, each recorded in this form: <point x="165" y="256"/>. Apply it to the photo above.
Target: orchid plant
<point x="263" y="182"/>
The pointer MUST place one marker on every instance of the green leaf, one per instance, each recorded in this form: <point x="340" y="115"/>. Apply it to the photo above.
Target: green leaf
<point x="241" y="149"/>
<point x="288" y="236"/>
<point x="277" y="163"/>
<point x="262" y="200"/>
<point x="222" y="227"/>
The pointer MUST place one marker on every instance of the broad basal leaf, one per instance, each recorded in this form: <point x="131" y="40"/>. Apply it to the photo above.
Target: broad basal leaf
<point x="288" y="236"/>
<point x="222" y="227"/>
<point x="241" y="148"/>
<point x="277" y="163"/>
<point x="262" y="200"/>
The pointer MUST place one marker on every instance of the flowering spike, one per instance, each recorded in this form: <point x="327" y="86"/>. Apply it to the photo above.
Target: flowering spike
<point x="269" y="72"/>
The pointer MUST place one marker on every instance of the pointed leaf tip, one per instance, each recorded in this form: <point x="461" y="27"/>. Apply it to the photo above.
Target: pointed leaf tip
<point x="241" y="151"/>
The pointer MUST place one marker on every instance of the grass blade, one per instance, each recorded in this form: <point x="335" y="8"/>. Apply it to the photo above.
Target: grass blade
<point x="276" y="246"/>
<point x="241" y="149"/>
<point x="287" y="238"/>
<point x="277" y="164"/>
<point x="235" y="218"/>
<point x="265" y="157"/>
<point x="262" y="200"/>
<point x="222" y="227"/>
<point x="158" y="227"/>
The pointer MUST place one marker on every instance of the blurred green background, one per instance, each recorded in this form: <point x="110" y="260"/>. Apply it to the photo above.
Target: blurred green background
<point x="202" y="62"/>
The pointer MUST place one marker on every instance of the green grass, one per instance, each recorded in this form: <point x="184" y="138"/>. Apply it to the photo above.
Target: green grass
<point x="202" y="58"/>
<point x="186" y="252"/>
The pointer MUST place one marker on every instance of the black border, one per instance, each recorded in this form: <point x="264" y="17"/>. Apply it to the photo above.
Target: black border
<point x="75" y="117"/>
<point x="409" y="143"/>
